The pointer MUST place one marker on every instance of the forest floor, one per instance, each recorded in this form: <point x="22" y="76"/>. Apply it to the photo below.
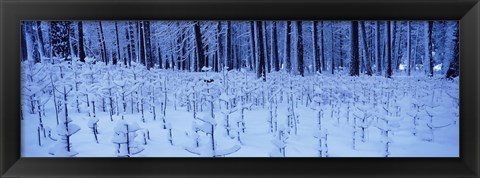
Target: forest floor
<point x="419" y="113"/>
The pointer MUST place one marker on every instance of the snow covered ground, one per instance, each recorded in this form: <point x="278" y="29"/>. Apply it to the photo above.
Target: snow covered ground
<point x="286" y="115"/>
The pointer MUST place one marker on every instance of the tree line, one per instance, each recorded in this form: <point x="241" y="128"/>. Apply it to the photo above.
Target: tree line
<point x="298" y="47"/>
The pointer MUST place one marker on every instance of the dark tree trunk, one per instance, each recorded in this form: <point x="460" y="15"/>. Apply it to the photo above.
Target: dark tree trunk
<point x="167" y="62"/>
<point x="287" y="48"/>
<point x="430" y="48"/>
<point x="409" y="42"/>
<point x="207" y="57"/>
<point x="333" y="47"/>
<point x="160" y="61"/>
<point x="253" y="48"/>
<point x="81" y="48"/>
<point x="268" y="50"/>
<point x="398" y="53"/>
<point x="132" y="43"/>
<point x="71" y="44"/>
<point x="394" y="44"/>
<point x="129" y="48"/>
<point x="341" y="48"/>
<point x="138" y="41"/>
<point x="40" y="38"/>
<point x="276" y="63"/>
<point x="178" y="48"/>
<point x="261" y="57"/>
<point x="379" y="57"/>
<point x="300" y="66"/>
<point x="389" y="51"/>
<point x="117" y="55"/>
<point x="35" y="43"/>
<point x="148" y="45"/>
<point x="316" y="48"/>
<point x="184" y="52"/>
<point x="452" y="71"/>
<point x="24" y="49"/>
<point x="219" y="47"/>
<point x="198" y="40"/>
<point x="354" y="64"/>
<point x="367" y="52"/>
<point x="142" y="44"/>
<point x="102" y="42"/>
<point x="324" y="67"/>
<point x="228" y="43"/>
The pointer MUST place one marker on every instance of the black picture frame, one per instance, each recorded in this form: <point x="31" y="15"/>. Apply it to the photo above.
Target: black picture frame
<point x="13" y="11"/>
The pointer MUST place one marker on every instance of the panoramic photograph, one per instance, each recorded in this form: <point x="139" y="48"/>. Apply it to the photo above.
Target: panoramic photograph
<point x="239" y="88"/>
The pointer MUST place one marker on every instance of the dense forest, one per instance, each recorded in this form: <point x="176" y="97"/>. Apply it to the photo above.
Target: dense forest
<point x="299" y="47"/>
<point x="240" y="88"/>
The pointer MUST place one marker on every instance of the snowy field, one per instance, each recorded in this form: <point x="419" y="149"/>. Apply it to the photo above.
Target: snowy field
<point x="170" y="113"/>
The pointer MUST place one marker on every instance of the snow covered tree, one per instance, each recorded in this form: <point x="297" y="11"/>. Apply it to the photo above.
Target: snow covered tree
<point x="59" y="38"/>
<point x="93" y="124"/>
<point x="239" y="83"/>
<point x="280" y="142"/>
<point x="452" y="71"/>
<point x="124" y="138"/>
<point x="63" y="147"/>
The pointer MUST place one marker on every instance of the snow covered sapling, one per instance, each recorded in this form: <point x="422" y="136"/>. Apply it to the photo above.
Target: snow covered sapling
<point x="228" y="122"/>
<point x="387" y="125"/>
<point x="362" y="119"/>
<point x="387" y="141"/>
<point x="154" y="84"/>
<point x="241" y="122"/>
<point x="76" y="69"/>
<point x="291" y="114"/>
<point x="31" y="83"/>
<point x="239" y="129"/>
<point x="280" y="141"/>
<point x="145" y="133"/>
<point x="432" y="129"/>
<point x="210" y="149"/>
<point x="63" y="147"/>
<point x="108" y="90"/>
<point x="274" y="91"/>
<point x="93" y="124"/>
<point x="322" y="147"/>
<point x="168" y="126"/>
<point x="432" y="112"/>
<point x="413" y="112"/>
<point x="317" y="100"/>
<point x="55" y="103"/>
<point x="273" y="114"/>
<point x="122" y="85"/>
<point x="228" y="110"/>
<point x="124" y="138"/>
<point x="41" y="101"/>
<point x="35" y="91"/>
